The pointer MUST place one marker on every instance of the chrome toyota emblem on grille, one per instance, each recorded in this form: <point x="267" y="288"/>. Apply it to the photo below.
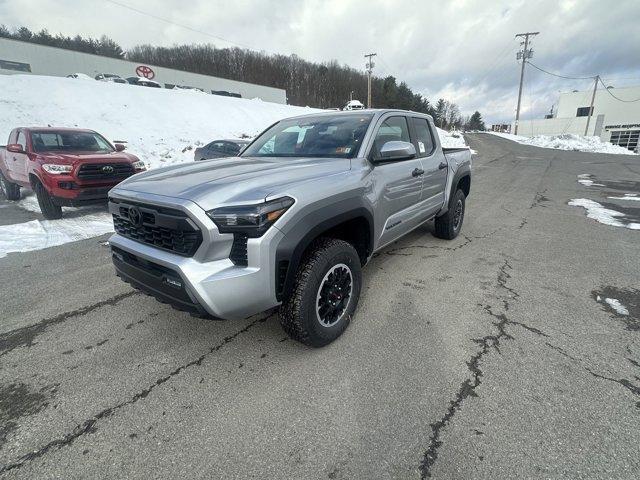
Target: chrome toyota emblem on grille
<point x="135" y="216"/>
<point x="107" y="169"/>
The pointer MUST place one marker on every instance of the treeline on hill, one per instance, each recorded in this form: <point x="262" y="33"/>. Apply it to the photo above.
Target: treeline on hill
<point x="103" y="46"/>
<point x="322" y="85"/>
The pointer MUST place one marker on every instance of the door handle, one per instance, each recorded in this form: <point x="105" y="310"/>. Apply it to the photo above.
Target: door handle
<point x="417" y="172"/>
<point x="442" y="165"/>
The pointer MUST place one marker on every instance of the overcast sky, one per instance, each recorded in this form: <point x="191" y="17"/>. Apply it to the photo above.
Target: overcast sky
<point x="462" y="50"/>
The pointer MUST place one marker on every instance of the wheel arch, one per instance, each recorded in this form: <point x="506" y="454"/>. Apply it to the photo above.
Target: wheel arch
<point x="354" y="225"/>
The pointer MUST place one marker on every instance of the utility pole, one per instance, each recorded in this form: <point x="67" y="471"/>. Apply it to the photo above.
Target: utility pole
<point x="369" y="66"/>
<point x="593" y="98"/>
<point x="523" y="54"/>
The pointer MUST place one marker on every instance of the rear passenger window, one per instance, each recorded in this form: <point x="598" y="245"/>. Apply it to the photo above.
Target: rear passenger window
<point x="423" y="140"/>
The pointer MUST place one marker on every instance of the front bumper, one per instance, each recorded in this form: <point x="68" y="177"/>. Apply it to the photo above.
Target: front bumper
<point x="80" y="197"/>
<point x="209" y="281"/>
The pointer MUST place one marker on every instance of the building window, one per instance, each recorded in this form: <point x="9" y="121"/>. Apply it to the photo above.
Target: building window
<point x="626" y="138"/>
<point x="584" y="111"/>
<point x="9" y="65"/>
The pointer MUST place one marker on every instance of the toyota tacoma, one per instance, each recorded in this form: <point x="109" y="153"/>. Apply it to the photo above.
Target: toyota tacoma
<point x="65" y="167"/>
<point x="291" y="221"/>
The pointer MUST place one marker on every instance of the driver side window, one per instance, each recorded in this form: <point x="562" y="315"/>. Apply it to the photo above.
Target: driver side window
<point x="392" y="129"/>
<point x="22" y="140"/>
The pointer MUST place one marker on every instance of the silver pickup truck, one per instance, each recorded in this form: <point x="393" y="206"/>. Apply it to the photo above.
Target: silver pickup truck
<point x="291" y="221"/>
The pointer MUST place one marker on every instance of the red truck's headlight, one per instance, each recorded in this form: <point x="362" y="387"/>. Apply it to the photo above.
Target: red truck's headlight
<point x="139" y="165"/>
<point x="55" y="169"/>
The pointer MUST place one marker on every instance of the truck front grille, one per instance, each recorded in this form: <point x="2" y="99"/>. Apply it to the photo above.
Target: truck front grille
<point x="170" y="230"/>
<point x="95" y="171"/>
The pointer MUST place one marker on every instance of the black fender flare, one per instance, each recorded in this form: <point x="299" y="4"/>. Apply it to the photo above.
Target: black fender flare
<point x="463" y="171"/>
<point x="307" y="228"/>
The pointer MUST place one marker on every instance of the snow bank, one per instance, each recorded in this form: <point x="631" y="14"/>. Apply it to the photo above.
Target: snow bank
<point x="451" y="139"/>
<point x="603" y="215"/>
<point x="161" y="126"/>
<point x="567" y="141"/>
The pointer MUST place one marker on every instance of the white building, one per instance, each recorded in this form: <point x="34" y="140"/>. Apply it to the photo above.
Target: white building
<point x="612" y="120"/>
<point x="31" y="58"/>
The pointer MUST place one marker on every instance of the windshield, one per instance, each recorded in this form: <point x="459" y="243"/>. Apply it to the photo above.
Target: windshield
<point x="321" y="136"/>
<point x="69" y="142"/>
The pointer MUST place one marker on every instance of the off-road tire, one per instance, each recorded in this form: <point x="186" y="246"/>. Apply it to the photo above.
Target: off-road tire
<point x="448" y="226"/>
<point x="298" y="315"/>
<point x="50" y="210"/>
<point x="11" y="191"/>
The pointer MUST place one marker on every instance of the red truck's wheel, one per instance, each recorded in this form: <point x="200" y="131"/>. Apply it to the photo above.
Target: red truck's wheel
<point x="10" y="190"/>
<point x="50" y="210"/>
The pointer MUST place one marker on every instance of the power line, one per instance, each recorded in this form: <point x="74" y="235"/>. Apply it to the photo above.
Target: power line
<point x="560" y="76"/>
<point x="619" y="99"/>
<point x="597" y="78"/>
<point x="171" y="22"/>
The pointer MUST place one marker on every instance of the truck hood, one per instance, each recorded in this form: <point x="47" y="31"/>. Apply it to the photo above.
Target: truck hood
<point x="229" y="180"/>
<point x="80" y="158"/>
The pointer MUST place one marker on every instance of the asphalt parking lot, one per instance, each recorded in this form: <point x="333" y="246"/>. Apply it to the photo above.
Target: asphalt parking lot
<point x="491" y="356"/>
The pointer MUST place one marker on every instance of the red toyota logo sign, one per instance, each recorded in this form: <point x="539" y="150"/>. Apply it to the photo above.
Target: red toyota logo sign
<point x="146" y="72"/>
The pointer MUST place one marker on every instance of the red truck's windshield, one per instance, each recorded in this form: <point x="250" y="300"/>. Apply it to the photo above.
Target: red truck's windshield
<point x="62" y="141"/>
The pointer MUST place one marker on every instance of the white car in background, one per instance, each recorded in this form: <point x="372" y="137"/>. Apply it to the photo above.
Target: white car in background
<point x="143" y="82"/>
<point x="79" y="76"/>
<point x="110" y="77"/>
<point x="354" y="105"/>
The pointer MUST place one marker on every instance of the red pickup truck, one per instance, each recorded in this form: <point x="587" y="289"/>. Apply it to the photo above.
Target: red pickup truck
<point x="63" y="166"/>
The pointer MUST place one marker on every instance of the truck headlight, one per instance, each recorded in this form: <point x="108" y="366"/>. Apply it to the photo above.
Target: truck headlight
<point x="55" y="169"/>
<point x="139" y="165"/>
<point x="250" y="220"/>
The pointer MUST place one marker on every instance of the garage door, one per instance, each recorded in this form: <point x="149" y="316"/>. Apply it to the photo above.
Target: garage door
<point x="626" y="138"/>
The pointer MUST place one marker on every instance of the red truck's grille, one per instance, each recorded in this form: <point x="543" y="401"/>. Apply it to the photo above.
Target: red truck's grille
<point x="91" y="171"/>
<point x="170" y="230"/>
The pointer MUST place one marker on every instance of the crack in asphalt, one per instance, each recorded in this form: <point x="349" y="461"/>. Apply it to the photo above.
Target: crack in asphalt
<point x="89" y="425"/>
<point x="468" y="386"/>
<point x="621" y="381"/>
<point x="400" y="251"/>
<point x="539" y="199"/>
<point x="25" y="336"/>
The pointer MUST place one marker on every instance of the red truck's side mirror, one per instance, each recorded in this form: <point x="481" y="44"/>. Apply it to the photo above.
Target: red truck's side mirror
<point x="15" y="148"/>
<point x="120" y="147"/>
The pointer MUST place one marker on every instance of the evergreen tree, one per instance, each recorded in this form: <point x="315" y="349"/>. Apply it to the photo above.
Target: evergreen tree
<point x="476" y="122"/>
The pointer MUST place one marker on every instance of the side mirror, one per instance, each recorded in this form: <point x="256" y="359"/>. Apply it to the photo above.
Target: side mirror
<point x="396" y="150"/>
<point x="15" y="148"/>
<point x="120" y="147"/>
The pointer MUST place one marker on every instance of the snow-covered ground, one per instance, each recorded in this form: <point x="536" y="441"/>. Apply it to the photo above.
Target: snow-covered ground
<point x="602" y="214"/>
<point x="161" y="126"/>
<point x="451" y="139"/>
<point x="598" y="212"/>
<point x="567" y="141"/>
